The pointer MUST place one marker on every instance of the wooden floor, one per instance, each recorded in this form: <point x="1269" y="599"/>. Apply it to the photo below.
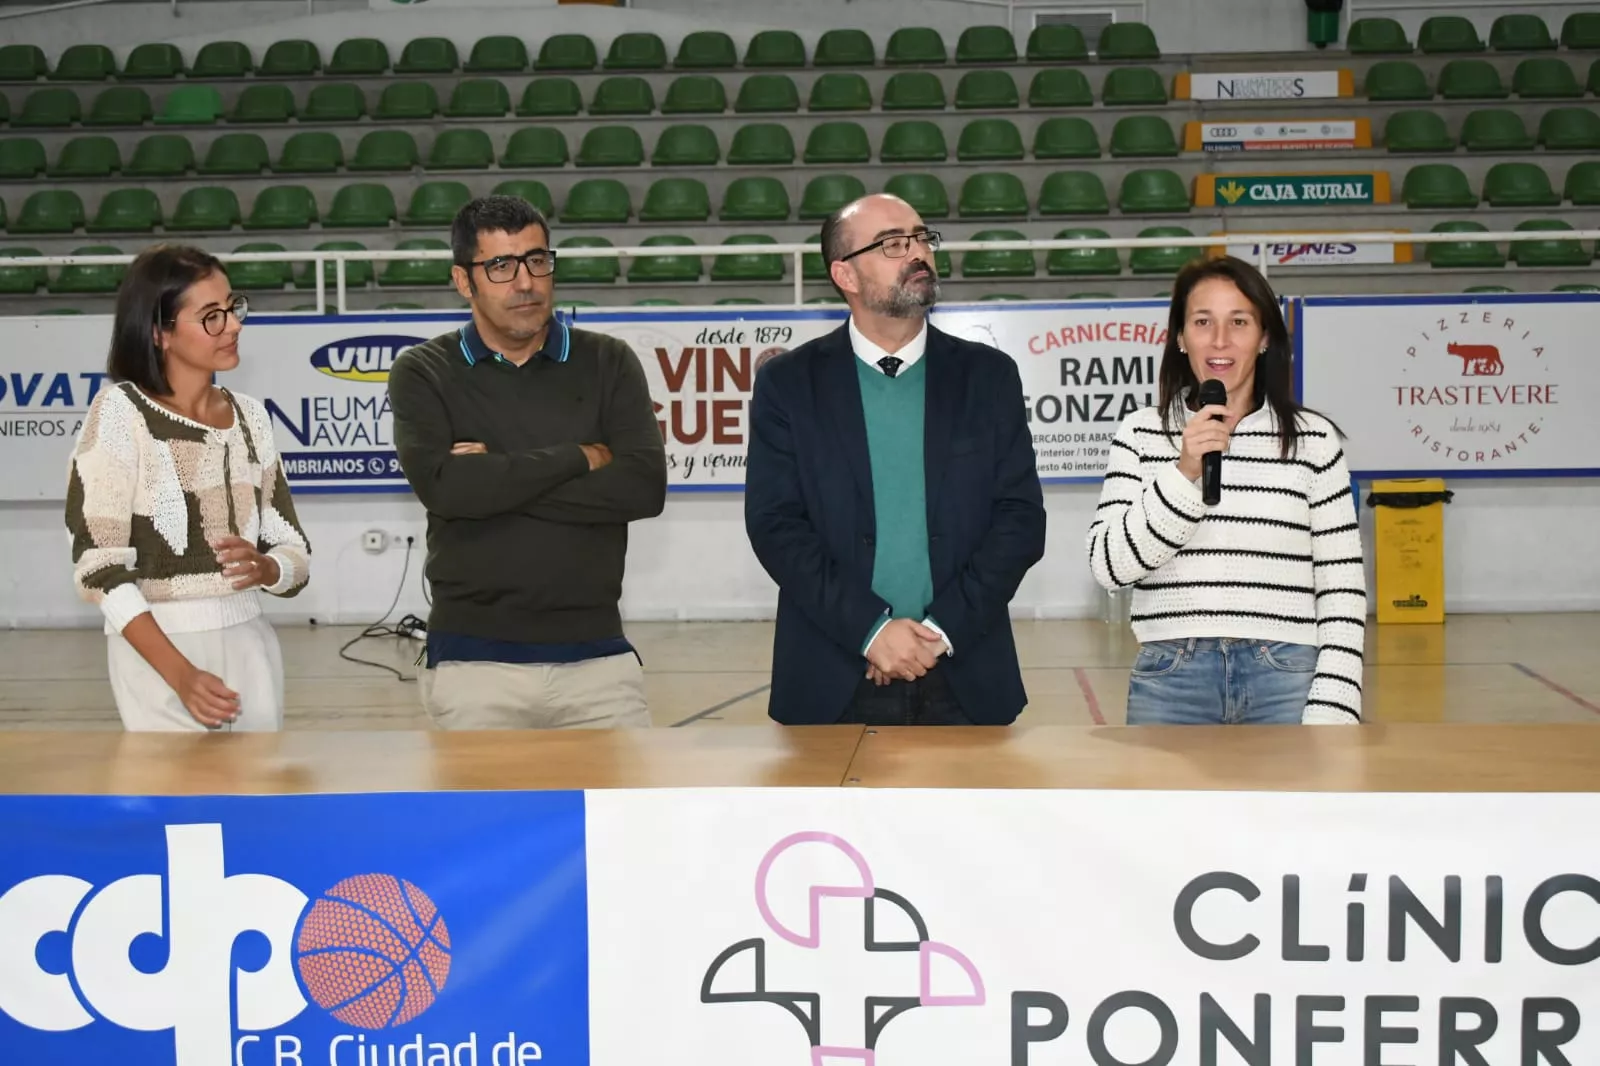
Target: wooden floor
<point x="1475" y="668"/>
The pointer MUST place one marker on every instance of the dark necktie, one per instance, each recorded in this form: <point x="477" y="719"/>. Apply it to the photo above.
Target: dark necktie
<point x="890" y="365"/>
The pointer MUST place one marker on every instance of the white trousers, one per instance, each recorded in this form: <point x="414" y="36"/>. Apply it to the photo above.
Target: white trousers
<point x="245" y="656"/>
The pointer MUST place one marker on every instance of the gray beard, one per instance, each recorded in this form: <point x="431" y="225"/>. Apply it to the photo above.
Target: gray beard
<point x="904" y="302"/>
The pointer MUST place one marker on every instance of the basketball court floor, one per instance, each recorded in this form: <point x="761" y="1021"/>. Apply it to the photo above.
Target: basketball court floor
<point x="1474" y="668"/>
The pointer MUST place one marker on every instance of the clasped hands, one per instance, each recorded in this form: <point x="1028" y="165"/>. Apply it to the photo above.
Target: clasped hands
<point x="903" y="650"/>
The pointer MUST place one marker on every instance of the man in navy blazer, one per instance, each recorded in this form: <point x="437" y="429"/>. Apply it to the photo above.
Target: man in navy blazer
<point x="891" y="493"/>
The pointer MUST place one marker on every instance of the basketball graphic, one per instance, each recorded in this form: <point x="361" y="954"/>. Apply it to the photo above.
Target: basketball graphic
<point x="373" y="951"/>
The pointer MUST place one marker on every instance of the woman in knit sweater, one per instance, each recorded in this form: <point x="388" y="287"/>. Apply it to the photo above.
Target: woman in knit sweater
<point x="1254" y="610"/>
<point x="179" y="511"/>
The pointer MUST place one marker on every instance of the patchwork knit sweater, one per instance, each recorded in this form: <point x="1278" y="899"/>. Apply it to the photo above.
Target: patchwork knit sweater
<point x="1278" y="559"/>
<point x="149" y="489"/>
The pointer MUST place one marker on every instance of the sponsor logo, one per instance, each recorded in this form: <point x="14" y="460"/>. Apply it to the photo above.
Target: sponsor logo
<point x="361" y="358"/>
<point x="1293" y="190"/>
<point x="1272" y="85"/>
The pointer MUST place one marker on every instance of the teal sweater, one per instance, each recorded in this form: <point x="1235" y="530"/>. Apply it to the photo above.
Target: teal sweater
<point x="894" y="409"/>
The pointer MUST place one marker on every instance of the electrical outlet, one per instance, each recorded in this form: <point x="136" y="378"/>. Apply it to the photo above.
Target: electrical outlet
<point x="374" y="541"/>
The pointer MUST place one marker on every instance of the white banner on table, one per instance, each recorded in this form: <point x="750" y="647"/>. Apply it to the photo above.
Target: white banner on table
<point x="1456" y="386"/>
<point x="1046" y="928"/>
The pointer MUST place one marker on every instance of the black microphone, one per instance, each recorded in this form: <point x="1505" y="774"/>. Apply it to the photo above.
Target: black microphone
<point x="1212" y="393"/>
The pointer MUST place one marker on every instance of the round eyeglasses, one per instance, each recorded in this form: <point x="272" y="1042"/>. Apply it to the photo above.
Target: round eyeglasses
<point x="215" y="320"/>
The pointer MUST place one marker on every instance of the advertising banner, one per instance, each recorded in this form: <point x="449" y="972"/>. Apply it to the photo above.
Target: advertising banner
<point x="1291" y="190"/>
<point x="1268" y="85"/>
<point x="1277" y="136"/>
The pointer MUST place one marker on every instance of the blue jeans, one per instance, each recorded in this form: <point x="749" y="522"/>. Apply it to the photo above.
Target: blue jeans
<point x="1220" y="682"/>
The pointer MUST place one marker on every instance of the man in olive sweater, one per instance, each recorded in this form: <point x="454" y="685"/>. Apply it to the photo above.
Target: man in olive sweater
<point x="532" y="445"/>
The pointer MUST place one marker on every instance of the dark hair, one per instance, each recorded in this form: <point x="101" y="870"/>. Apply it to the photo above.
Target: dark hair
<point x="491" y="214"/>
<point x="1274" y="376"/>
<point x="148" y="297"/>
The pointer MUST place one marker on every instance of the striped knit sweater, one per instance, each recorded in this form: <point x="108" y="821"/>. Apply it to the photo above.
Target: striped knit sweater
<point x="1279" y="558"/>
<point x="149" y="489"/>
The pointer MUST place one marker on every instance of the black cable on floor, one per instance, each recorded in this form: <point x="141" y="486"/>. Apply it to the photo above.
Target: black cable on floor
<point x="378" y="629"/>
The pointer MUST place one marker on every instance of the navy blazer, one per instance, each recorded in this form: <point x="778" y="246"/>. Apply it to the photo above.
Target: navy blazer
<point x="810" y="517"/>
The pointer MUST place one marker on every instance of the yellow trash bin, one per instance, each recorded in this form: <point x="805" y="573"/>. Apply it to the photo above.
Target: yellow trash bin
<point x="1409" y="518"/>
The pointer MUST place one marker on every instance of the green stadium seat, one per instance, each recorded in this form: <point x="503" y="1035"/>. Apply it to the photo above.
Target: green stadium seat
<point x="48" y="107"/>
<point x="986" y="90"/>
<point x="840" y="92"/>
<point x="845" y="48"/>
<point x="1570" y="129"/>
<point x="1073" y="192"/>
<point x="1417" y="131"/>
<point x="657" y="301"/>
<point x="21" y="280"/>
<point x="637" y="51"/>
<point x="775" y="48"/>
<point x="311" y="152"/>
<point x="536" y="146"/>
<point x="51" y="211"/>
<point x="1583" y="184"/>
<point x="687" y="146"/>
<point x="85" y="62"/>
<point x="914" y="141"/>
<point x="368" y="205"/>
<point x="761" y="144"/>
<point x="84" y="278"/>
<point x="986" y="44"/>
<point x="409" y="100"/>
<point x="626" y="95"/>
<point x="206" y="208"/>
<point x="428" y="55"/>
<point x="1581" y="31"/>
<point x="263" y="103"/>
<point x="1126" y="41"/>
<point x="535" y="192"/>
<point x="236" y="153"/>
<point x="1057" y="43"/>
<point x="253" y="275"/>
<point x="21" y="157"/>
<point x="1397" y="79"/>
<point x="1377" y="36"/>
<point x="5" y="109"/>
<point x="676" y="200"/>
<point x="1133" y="87"/>
<point x="87" y="157"/>
<point x="1066" y="138"/>
<point x="1060" y="87"/>
<point x="359" y="57"/>
<point x="1002" y="297"/>
<point x="812" y="268"/>
<point x="984" y="263"/>
<point x="435" y="203"/>
<point x="22" y="62"/>
<point x="1152" y="191"/>
<point x="1431" y="186"/>
<point x="550" y="98"/>
<point x="755" y="200"/>
<point x="121" y="105"/>
<point x="1576" y="287"/>
<point x="357" y="272"/>
<point x="1521" y="33"/>
<point x="191" y="105"/>
<point x="1488" y="288"/>
<point x="1143" y="135"/>
<point x="153" y="62"/>
<point x="1545" y="79"/>
<point x="915" y="46"/>
<point x="748" y="266"/>
<point x="1519" y="185"/>
<point x="989" y="140"/>
<point x="162" y="155"/>
<point x="736" y="301"/>
<point x="586" y="269"/>
<point x="914" y="90"/>
<point x="1548" y="253"/>
<point x="598" y="200"/>
<point x="222" y="59"/>
<point x="767" y="93"/>
<point x="127" y="211"/>
<point x="1161" y="260"/>
<point x="567" y="51"/>
<point x="991" y="194"/>
<point x="1463" y="254"/>
<point x="706" y="50"/>
<point x="391" y="150"/>
<point x="666" y="268"/>
<point x="401" y="305"/>
<point x="461" y="149"/>
<point x="1495" y="130"/>
<point x="695" y="94"/>
<point x="1078" y="262"/>
<point x="290" y="59"/>
<point x="611" y="146"/>
<point x="283" y="207"/>
<point x="1593" y="84"/>
<point x="429" y="272"/>
<point x="1447" y="34"/>
<point x="499" y="54"/>
<point x="838" y="142"/>
<point x="479" y="98"/>
<point x="924" y="192"/>
<point x="339" y="102"/>
<point x="826" y="194"/>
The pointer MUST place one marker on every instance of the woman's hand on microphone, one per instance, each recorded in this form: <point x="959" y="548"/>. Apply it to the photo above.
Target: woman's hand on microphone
<point x="1208" y="431"/>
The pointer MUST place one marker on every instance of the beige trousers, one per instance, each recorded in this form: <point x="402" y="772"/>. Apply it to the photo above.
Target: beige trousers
<point x="245" y="656"/>
<point x="603" y="693"/>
